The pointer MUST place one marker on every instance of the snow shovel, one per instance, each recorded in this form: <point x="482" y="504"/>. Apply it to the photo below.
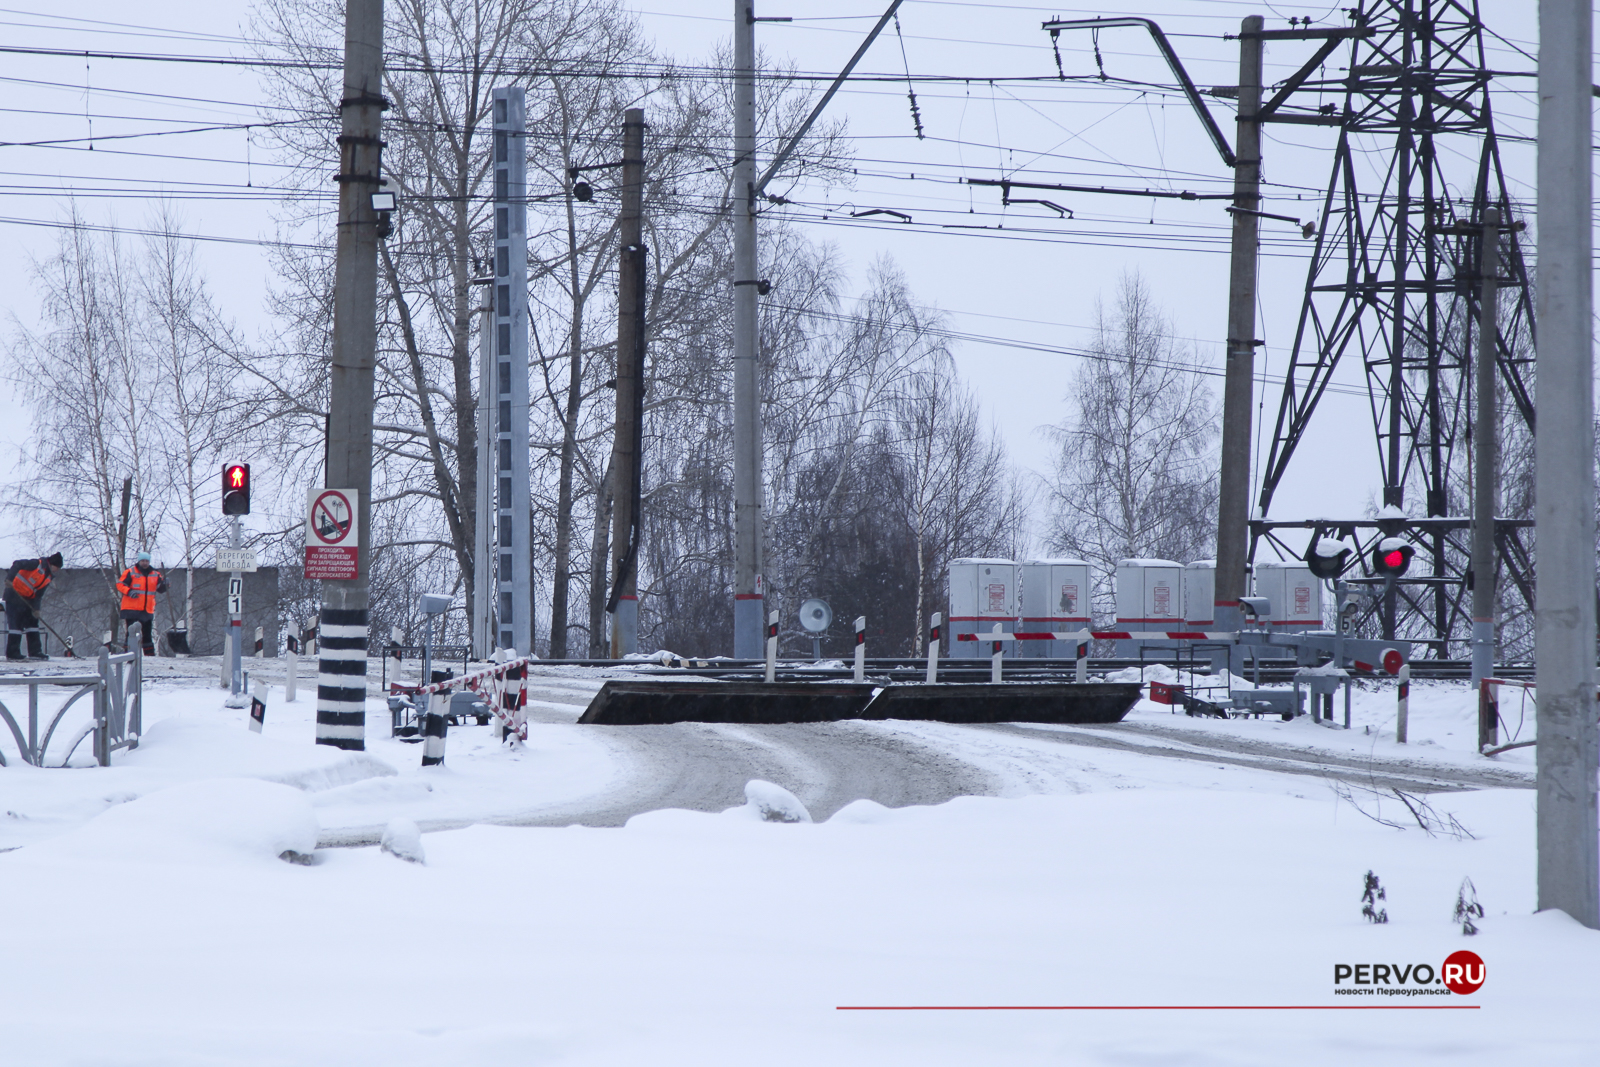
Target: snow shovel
<point x="64" y="642"/>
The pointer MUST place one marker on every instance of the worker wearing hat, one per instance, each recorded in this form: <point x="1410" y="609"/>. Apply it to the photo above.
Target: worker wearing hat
<point x="26" y="583"/>
<point x="139" y="585"/>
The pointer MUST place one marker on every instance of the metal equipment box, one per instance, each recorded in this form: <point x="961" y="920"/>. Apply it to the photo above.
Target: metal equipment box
<point x="1200" y="595"/>
<point x="1294" y="593"/>
<point x="980" y="593"/>
<point x="1149" y="597"/>
<point x="1055" y="599"/>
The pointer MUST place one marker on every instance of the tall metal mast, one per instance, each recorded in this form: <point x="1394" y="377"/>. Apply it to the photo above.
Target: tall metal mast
<point x="1394" y="282"/>
<point x="511" y="371"/>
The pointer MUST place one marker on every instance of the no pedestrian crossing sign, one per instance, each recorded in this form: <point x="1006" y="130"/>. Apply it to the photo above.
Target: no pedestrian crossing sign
<point x="333" y="533"/>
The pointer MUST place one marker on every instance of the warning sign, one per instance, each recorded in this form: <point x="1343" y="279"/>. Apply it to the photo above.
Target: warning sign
<point x="333" y="535"/>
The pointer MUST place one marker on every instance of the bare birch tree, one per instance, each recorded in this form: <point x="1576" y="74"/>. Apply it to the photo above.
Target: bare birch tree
<point x="130" y="392"/>
<point x="1134" y="473"/>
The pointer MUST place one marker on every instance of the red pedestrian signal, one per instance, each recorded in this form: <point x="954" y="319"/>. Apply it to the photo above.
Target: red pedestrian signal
<point x="236" y="488"/>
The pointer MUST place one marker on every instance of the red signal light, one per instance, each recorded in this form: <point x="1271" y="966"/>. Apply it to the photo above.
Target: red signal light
<point x="236" y="488"/>
<point x="1391" y="557"/>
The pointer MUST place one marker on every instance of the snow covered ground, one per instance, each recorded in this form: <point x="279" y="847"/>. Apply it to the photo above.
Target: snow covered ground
<point x="150" y="920"/>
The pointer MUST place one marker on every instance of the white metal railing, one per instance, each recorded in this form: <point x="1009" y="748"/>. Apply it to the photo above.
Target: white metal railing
<point x="116" y="692"/>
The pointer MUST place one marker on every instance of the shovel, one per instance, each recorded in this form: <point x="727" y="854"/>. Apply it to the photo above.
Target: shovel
<point x="64" y="642"/>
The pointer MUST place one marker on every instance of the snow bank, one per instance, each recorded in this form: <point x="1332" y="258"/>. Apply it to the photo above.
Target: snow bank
<point x="190" y="741"/>
<point x="694" y="938"/>
<point x="772" y="803"/>
<point x="216" y="821"/>
<point x="403" y="840"/>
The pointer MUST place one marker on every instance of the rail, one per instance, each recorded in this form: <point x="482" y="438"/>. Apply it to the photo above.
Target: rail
<point x="116" y="692"/>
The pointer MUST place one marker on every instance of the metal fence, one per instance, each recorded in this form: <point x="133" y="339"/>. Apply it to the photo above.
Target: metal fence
<point x="116" y="692"/>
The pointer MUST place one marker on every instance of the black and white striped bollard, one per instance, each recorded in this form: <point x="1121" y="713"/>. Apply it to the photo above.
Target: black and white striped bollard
<point x="433" y="729"/>
<point x="772" y="646"/>
<point x="1083" y="656"/>
<point x="342" y="678"/>
<point x="933" y="648"/>
<point x="994" y="655"/>
<point x="291" y="674"/>
<point x="1402" y="709"/>
<point x="861" y="649"/>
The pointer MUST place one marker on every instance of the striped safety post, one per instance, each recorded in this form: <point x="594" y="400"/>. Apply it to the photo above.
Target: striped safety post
<point x="1083" y="656"/>
<point x="261" y="642"/>
<point x="511" y="704"/>
<point x="342" y="678"/>
<point x="933" y="648"/>
<point x="861" y="649"/>
<point x="1403" y="703"/>
<point x="1488" y="714"/>
<point x="291" y="676"/>
<point x="772" y="646"/>
<point x="519" y="715"/>
<point x="996" y="654"/>
<point x="433" y="729"/>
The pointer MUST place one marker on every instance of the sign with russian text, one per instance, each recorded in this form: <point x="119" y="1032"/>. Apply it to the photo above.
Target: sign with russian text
<point x="333" y="534"/>
<point x="236" y="559"/>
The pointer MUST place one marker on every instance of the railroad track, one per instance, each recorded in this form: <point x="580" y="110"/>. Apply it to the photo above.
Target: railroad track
<point x="910" y="669"/>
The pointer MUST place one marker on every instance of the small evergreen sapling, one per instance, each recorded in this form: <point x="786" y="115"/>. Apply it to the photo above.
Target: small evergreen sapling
<point x="1467" y="907"/>
<point x="1371" y="893"/>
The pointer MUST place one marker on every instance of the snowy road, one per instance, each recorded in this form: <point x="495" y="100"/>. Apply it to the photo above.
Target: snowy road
<point x="1179" y="743"/>
<point x="601" y="776"/>
<point x="704" y="767"/>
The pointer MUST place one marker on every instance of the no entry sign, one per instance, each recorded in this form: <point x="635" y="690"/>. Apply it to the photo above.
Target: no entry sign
<point x="333" y="533"/>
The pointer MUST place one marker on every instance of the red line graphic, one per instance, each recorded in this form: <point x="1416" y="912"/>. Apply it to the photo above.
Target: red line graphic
<point x="1157" y="1007"/>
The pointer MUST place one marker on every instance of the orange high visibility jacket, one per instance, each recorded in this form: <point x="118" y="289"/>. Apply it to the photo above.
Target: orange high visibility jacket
<point x="139" y="590"/>
<point x="31" y="578"/>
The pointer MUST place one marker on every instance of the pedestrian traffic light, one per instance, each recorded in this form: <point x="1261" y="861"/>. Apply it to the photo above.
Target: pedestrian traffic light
<point x="1391" y="557"/>
<point x="236" y="488"/>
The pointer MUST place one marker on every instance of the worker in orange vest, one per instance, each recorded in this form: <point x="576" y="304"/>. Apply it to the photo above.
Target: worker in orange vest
<point x="25" y="585"/>
<point x="139" y="585"/>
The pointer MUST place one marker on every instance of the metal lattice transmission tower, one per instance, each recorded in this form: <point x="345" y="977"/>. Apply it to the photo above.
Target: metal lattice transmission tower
<point x="1394" y="282"/>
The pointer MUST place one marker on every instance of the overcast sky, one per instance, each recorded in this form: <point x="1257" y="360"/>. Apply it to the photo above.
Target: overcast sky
<point x="1011" y="280"/>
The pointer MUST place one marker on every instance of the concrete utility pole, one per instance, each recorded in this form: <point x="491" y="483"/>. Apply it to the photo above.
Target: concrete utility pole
<point x="626" y="458"/>
<point x="747" y="519"/>
<point x="342" y="645"/>
<point x="748" y="589"/>
<point x="512" y="514"/>
<point x="1485" y="451"/>
<point x="483" y="561"/>
<point x="1569" y="860"/>
<point x="1233" y="500"/>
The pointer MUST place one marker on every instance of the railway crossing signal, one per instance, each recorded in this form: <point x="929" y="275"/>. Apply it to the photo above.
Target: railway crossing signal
<point x="1326" y="557"/>
<point x="1392" y="556"/>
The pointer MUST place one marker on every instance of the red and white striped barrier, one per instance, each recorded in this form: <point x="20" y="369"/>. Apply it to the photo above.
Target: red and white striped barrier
<point x="1104" y="635"/>
<point x="503" y="687"/>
